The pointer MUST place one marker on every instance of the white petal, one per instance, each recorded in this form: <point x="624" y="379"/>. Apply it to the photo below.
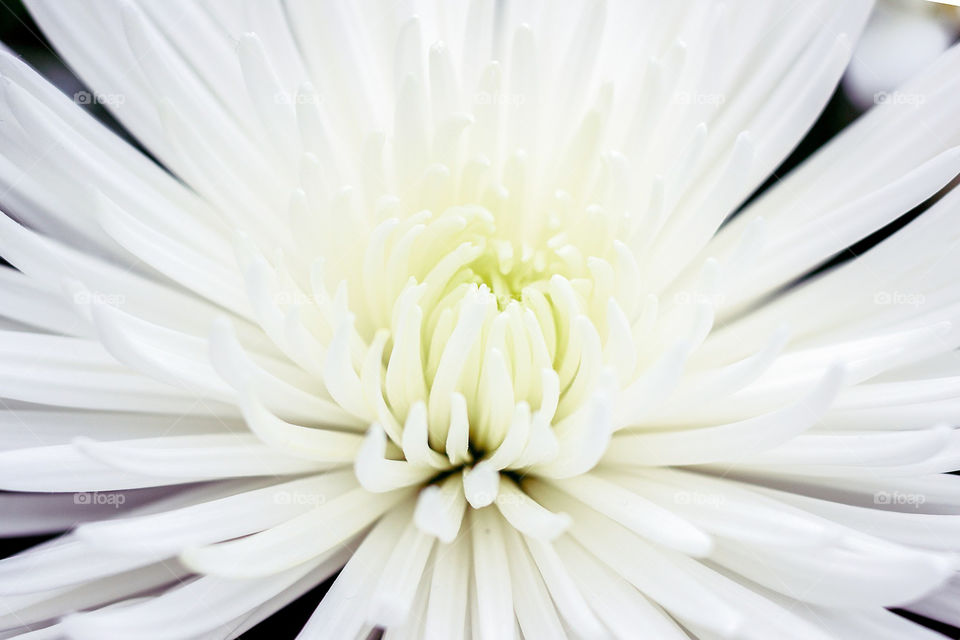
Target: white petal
<point x="295" y="541"/>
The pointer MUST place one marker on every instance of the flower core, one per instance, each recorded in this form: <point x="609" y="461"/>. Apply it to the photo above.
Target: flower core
<point x="491" y="336"/>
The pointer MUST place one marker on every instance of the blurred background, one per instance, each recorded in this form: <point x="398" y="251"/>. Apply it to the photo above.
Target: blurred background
<point x="902" y="37"/>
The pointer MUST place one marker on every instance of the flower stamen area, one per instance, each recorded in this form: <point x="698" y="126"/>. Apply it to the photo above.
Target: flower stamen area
<point x="491" y="341"/>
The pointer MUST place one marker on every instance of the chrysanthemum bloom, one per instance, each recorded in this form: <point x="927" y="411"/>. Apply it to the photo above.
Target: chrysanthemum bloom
<point x="443" y="296"/>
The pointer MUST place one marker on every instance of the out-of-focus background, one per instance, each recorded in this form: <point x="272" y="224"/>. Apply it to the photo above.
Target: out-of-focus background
<point x="902" y="37"/>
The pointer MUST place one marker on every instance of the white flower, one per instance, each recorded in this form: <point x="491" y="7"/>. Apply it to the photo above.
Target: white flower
<point x="446" y="301"/>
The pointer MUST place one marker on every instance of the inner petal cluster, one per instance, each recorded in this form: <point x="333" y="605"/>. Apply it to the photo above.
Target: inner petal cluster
<point x="498" y="352"/>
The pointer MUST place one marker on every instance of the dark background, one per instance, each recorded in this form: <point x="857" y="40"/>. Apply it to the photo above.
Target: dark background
<point x="21" y="34"/>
